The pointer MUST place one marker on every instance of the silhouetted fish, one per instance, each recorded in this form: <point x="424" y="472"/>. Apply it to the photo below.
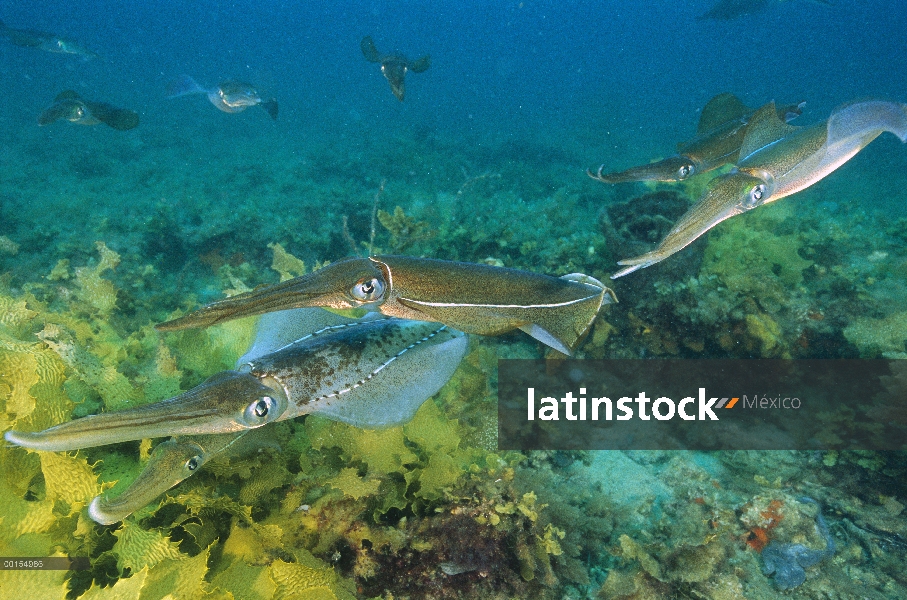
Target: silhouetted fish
<point x="725" y="10"/>
<point x="394" y="66"/>
<point x="229" y="96"/>
<point x="29" y="38"/>
<point x="72" y="107"/>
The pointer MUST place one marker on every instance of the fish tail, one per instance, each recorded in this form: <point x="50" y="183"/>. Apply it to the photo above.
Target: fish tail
<point x="183" y="85"/>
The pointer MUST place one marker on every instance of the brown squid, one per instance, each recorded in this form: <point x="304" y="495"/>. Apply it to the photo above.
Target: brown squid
<point x="722" y="127"/>
<point x="474" y="298"/>
<point x="777" y="160"/>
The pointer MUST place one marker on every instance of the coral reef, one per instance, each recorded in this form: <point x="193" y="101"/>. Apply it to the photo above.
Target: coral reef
<point x="432" y="509"/>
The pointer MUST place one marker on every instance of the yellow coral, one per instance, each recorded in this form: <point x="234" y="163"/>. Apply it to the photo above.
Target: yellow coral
<point x="137" y="548"/>
<point x="441" y="473"/>
<point x="112" y="385"/>
<point x="285" y="263"/>
<point x="7" y="246"/>
<point x="384" y="450"/>
<point x="252" y="544"/>
<point x="128" y="588"/>
<point x="549" y="541"/>
<point x="349" y="482"/>
<point x="767" y="333"/>
<point x="404" y="230"/>
<point x="208" y="351"/>
<point x="432" y="430"/>
<point x="14" y="313"/>
<point x="60" y="270"/>
<point x="68" y="478"/>
<point x="19" y="373"/>
<point x="879" y="336"/>
<point x="179" y="579"/>
<point x="272" y="474"/>
<point x="246" y="582"/>
<point x="34" y="517"/>
<point x="93" y="290"/>
<point x="34" y="584"/>
<point x="631" y="550"/>
<point x="750" y="258"/>
<point x="528" y="507"/>
<point x="31" y="377"/>
<point x="311" y="581"/>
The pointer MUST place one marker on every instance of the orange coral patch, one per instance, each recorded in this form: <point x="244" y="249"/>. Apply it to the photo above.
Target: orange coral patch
<point x="757" y="538"/>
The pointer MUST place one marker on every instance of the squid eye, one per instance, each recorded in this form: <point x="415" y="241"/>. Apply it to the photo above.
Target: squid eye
<point x="368" y="290"/>
<point x="192" y="463"/>
<point x="260" y="411"/>
<point x="755" y="197"/>
<point x="685" y="171"/>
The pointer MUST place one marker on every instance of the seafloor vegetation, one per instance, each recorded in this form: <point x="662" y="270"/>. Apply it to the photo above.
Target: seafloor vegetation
<point x="431" y="509"/>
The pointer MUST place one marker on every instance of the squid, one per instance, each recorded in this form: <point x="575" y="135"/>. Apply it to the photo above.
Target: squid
<point x="722" y="127"/>
<point x="777" y="160"/>
<point x="70" y="106"/>
<point x="478" y="299"/>
<point x="373" y="372"/>
<point x="394" y="66"/>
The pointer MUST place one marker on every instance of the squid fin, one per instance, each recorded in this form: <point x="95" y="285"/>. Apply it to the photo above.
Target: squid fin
<point x="394" y="394"/>
<point x="720" y="110"/>
<point x="764" y="128"/>
<point x="369" y="50"/>
<point x="420" y="65"/>
<point x="118" y="118"/>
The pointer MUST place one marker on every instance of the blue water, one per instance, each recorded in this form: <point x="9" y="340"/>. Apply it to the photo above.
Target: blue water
<point x="500" y="68"/>
<point x="607" y="82"/>
<point x="529" y="94"/>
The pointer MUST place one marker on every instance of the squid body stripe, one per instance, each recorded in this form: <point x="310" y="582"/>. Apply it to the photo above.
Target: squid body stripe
<point x="390" y="276"/>
<point x="381" y="366"/>
<point x="455" y="304"/>
<point x="760" y="149"/>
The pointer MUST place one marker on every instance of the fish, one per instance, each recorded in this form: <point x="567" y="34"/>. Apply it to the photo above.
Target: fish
<point x="230" y="96"/>
<point x="41" y="40"/>
<point x="478" y="299"/>
<point x="394" y="66"/>
<point x="70" y="106"/>
<point x="777" y="160"/>
<point x="373" y="372"/>
<point x="726" y="10"/>
<point x="722" y="127"/>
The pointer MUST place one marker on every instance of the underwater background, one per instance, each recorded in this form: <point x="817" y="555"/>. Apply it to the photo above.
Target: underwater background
<point x="105" y="232"/>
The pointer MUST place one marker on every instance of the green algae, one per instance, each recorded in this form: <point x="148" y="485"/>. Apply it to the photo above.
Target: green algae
<point x="342" y="508"/>
<point x="749" y="256"/>
<point x="885" y="336"/>
<point x="405" y="231"/>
